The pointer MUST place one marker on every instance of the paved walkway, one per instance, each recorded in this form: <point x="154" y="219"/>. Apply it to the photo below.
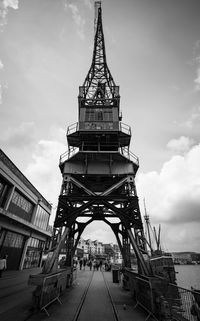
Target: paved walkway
<point x="15" y="299"/>
<point x="16" y="295"/>
<point x="97" y="306"/>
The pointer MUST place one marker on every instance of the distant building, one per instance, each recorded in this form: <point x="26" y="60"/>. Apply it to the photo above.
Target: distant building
<point x="182" y="257"/>
<point x="110" y="251"/>
<point x="24" y="218"/>
<point x="89" y="249"/>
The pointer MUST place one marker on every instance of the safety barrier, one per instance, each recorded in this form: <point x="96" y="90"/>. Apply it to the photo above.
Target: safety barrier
<point x="49" y="287"/>
<point x="162" y="300"/>
<point x="142" y="290"/>
<point x="184" y="304"/>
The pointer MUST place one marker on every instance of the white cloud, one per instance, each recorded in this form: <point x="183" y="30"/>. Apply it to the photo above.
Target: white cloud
<point x="173" y="198"/>
<point x="193" y="120"/>
<point x="78" y="19"/>
<point x="100" y="231"/>
<point x="197" y="80"/>
<point x="44" y="172"/>
<point x="1" y="65"/>
<point x="20" y="136"/>
<point x="4" y="7"/>
<point x="88" y="4"/>
<point x="11" y="3"/>
<point x="197" y="63"/>
<point x="1" y="87"/>
<point x="180" y="145"/>
<point x="1" y="94"/>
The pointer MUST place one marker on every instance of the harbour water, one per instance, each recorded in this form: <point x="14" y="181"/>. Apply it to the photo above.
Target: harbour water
<point x="187" y="276"/>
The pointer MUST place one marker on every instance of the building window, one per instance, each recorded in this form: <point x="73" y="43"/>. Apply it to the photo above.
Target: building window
<point x="4" y="191"/>
<point x="33" y="253"/>
<point x="13" y="240"/>
<point x="20" y="206"/>
<point x="41" y="218"/>
<point x="94" y="114"/>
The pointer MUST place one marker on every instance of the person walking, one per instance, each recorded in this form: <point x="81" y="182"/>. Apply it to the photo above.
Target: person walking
<point x="90" y="264"/>
<point x="80" y="264"/>
<point x="100" y="264"/>
<point x="94" y="263"/>
<point x="84" y="262"/>
<point x="3" y="264"/>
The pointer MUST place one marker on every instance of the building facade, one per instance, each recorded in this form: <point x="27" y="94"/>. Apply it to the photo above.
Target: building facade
<point x="24" y="218"/>
<point x="90" y="249"/>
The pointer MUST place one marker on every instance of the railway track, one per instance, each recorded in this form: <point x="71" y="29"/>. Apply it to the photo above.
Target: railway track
<point x="86" y="306"/>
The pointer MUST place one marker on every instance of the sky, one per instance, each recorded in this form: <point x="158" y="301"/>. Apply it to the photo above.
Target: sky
<point x="153" y="53"/>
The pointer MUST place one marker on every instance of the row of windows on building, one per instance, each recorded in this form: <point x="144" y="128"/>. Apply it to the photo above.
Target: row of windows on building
<point x="41" y="218"/>
<point x="12" y="244"/>
<point x="21" y="206"/>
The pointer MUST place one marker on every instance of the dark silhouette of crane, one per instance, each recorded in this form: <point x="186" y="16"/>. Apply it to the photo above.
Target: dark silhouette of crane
<point x="98" y="169"/>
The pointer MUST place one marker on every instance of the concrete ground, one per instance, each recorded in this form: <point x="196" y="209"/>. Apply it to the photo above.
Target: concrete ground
<point x="16" y="294"/>
<point x="15" y="299"/>
<point x="97" y="305"/>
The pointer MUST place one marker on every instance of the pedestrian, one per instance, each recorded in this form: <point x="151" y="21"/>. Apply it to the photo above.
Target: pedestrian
<point x="80" y="264"/>
<point x="100" y="264"/>
<point x="106" y="265"/>
<point x="3" y="264"/>
<point x="94" y="263"/>
<point x="84" y="262"/>
<point x="97" y="265"/>
<point x="90" y="264"/>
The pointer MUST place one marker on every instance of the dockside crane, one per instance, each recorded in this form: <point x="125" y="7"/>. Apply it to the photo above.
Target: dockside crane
<point x="98" y="170"/>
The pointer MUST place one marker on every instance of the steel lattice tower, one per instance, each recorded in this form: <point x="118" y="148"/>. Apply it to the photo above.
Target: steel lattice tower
<point x="98" y="169"/>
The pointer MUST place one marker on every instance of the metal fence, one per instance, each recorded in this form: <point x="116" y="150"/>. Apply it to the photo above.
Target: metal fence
<point x="183" y="304"/>
<point x="162" y="300"/>
<point x="143" y="293"/>
<point x="49" y="287"/>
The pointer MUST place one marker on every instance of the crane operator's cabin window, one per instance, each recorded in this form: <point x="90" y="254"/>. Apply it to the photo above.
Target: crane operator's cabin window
<point x="99" y="114"/>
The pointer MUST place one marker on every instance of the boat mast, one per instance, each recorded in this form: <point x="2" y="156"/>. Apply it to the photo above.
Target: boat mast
<point x="147" y="221"/>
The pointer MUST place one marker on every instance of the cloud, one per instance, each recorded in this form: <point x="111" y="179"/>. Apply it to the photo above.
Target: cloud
<point x="193" y="120"/>
<point x="1" y="92"/>
<point x="197" y="63"/>
<point x="20" y="136"/>
<point x="100" y="231"/>
<point x="1" y="87"/>
<point x="173" y="196"/>
<point x="44" y="172"/>
<point x="180" y="145"/>
<point x="4" y="7"/>
<point x="78" y="19"/>
<point x="197" y="80"/>
<point x="88" y="4"/>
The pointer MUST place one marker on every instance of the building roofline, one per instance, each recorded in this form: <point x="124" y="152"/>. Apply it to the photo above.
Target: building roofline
<point x="15" y="170"/>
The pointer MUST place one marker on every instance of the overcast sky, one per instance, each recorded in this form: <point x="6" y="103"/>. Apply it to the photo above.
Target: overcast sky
<point x="153" y="52"/>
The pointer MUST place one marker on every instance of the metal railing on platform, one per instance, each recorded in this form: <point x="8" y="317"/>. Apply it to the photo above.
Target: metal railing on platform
<point x="124" y="128"/>
<point x="72" y="128"/>
<point x="163" y="300"/>
<point x="123" y="151"/>
<point x="183" y="304"/>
